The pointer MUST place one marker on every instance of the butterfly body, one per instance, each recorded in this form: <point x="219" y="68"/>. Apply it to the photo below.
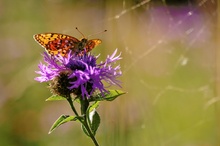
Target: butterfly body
<point x="56" y="43"/>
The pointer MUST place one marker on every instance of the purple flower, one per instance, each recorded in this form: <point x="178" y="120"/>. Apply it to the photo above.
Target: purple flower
<point x="80" y="75"/>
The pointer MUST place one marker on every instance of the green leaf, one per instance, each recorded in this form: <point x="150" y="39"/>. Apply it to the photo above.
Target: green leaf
<point x="94" y="121"/>
<point x="91" y="109"/>
<point x="61" y="120"/>
<point x="77" y="99"/>
<point x="110" y="96"/>
<point x="93" y="106"/>
<point x="113" y="94"/>
<point x="55" y="98"/>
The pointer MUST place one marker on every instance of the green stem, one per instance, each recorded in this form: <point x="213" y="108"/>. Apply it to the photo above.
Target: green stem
<point x="84" y="121"/>
<point x="69" y="99"/>
<point x="84" y="106"/>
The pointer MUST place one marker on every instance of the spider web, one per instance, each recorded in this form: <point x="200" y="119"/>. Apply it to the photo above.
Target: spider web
<point x="169" y="70"/>
<point x="168" y="66"/>
<point x="168" y="50"/>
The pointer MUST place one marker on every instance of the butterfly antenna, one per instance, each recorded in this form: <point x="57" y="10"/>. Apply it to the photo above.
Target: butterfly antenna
<point x="96" y="33"/>
<point x="80" y="32"/>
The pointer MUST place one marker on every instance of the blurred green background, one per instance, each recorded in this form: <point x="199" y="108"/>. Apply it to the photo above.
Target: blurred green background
<point x="169" y="71"/>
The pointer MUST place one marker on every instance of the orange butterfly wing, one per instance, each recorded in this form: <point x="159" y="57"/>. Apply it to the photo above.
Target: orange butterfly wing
<point x="55" y="43"/>
<point x="92" y="44"/>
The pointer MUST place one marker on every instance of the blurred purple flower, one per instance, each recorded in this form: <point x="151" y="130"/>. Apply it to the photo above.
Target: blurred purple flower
<point x="84" y="75"/>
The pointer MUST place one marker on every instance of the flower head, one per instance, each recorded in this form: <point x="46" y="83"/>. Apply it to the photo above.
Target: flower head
<point x="80" y="75"/>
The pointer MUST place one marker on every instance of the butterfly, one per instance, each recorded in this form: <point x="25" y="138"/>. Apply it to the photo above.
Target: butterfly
<point x="57" y="43"/>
